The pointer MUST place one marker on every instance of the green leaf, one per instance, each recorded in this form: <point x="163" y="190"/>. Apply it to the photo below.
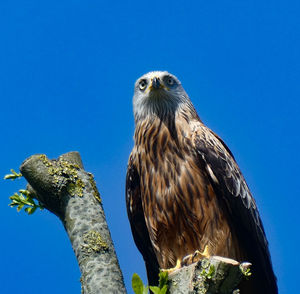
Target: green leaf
<point x="164" y="289"/>
<point x="13" y="204"/>
<point x="20" y="207"/>
<point x="24" y="192"/>
<point x="20" y="201"/>
<point x="30" y="210"/>
<point x="30" y="202"/>
<point x="163" y="284"/>
<point x="163" y="279"/>
<point x="21" y="197"/>
<point x="14" y="175"/>
<point x="137" y="285"/>
<point x="155" y="289"/>
<point x="14" y="197"/>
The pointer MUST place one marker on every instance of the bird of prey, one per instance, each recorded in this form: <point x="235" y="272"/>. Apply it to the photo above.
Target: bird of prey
<point x="185" y="193"/>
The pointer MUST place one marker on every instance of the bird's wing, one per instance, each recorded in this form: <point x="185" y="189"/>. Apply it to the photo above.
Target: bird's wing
<point x="235" y="198"/>
<point x="137" y="222"/>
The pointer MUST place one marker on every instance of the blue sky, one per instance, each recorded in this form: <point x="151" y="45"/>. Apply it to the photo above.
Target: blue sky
<point x="67" y="70"/>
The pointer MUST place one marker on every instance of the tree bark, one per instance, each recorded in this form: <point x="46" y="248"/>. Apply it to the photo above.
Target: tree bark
<point x="64" y="188"/>
<point x="208" y="276"/>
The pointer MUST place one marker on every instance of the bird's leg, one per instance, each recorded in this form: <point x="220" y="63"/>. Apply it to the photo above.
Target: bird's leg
<point x="170" y="270"/>
<point x="189" y="259"/>
<point x="196" y="256"/>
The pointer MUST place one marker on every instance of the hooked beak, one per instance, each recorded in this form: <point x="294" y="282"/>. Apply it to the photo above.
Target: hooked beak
<point x="156" y="83"/>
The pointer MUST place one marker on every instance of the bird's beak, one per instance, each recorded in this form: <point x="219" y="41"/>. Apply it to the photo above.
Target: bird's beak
<point x="155" y="83"/>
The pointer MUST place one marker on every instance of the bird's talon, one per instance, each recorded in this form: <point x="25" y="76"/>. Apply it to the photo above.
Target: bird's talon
<point x="196" y="256"/>
<point x="176" y="267"/>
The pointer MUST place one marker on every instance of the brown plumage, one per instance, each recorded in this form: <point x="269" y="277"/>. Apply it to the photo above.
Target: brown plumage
<point x="184" y="190"/>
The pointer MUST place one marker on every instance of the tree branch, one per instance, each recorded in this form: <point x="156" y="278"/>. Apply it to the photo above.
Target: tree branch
<point x="64" y="188"/>
<point x="207" y="276"/>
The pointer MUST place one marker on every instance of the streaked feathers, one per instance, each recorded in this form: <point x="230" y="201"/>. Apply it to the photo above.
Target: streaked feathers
<point x="184" y="190"/>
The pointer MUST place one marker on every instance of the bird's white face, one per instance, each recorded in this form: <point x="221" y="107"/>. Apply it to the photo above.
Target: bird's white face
<point x="157" y="93"/>
<point x="154" y="82"/>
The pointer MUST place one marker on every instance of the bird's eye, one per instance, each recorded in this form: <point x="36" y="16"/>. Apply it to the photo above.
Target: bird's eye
<point x="143" y="84"/>
<point x="170" y="81"/>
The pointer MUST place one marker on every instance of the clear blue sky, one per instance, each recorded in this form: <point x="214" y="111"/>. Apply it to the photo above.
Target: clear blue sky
<point x="67" y="70"/>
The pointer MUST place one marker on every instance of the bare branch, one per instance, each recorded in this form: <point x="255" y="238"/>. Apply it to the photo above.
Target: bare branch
<point x="208" y="276"/>
<point x="64" y="188"/>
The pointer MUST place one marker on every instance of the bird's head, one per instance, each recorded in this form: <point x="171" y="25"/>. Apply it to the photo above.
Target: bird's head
<point x="158" y="93"/>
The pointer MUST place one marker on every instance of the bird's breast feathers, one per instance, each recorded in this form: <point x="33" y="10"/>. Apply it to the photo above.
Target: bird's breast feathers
<point x="175" y="192"/>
